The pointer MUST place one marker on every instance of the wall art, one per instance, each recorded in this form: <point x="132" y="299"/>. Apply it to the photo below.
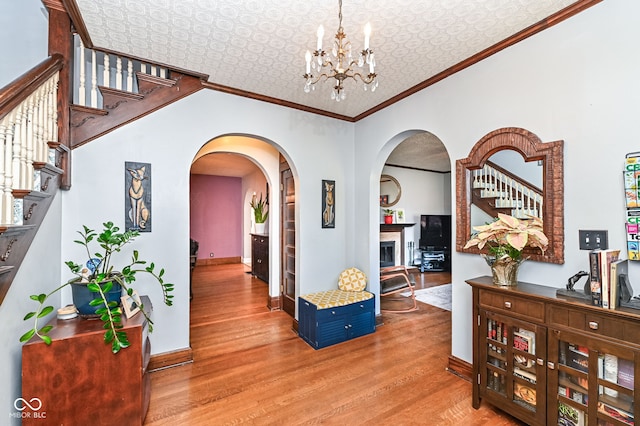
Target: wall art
<point x="137" y="194"/>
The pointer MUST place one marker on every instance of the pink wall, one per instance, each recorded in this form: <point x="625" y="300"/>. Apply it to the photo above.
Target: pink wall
<point x="216" y="215"/>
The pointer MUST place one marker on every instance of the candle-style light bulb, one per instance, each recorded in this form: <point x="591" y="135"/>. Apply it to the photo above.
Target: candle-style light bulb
<point x="307" y="58"/>
<point x="367" y="34"/>
<point x="320" y="35"/>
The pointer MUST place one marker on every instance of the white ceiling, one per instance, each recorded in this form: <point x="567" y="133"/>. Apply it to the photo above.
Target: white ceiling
<point x="258" y="46"/>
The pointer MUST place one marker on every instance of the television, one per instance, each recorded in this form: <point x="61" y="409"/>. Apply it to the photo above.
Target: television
<point x="435" y="232"/>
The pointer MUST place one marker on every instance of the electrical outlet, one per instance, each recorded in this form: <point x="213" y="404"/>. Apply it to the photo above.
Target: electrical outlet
<point x="591" y="240"/>
<point x="210" y="254"/>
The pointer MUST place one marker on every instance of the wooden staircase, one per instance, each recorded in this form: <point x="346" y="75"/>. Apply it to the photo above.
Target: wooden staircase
<point x="495" y="190"/>
<point x="121" y="107"/>
<point x="40" y="124"/>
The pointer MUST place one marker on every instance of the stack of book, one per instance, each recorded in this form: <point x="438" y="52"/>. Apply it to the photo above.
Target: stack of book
<point x="605" y="267"/>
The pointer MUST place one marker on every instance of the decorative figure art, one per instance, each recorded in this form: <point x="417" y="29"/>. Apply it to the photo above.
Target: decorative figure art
<point x="138" y="196"/>
<point x="328" y="204"/>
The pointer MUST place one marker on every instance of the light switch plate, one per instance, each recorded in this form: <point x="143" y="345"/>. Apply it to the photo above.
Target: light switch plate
<point x="591" y="240"/>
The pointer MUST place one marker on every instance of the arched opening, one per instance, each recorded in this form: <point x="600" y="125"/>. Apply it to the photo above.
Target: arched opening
<point x="415" y="195"/>
<point x="225" y="176"/>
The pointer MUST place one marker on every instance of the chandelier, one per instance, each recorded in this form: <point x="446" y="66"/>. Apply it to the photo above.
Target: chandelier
<point x="340" y="64"/>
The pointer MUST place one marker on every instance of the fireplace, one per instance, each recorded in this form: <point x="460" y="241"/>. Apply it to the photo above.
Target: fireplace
<point x="387" y="253"/>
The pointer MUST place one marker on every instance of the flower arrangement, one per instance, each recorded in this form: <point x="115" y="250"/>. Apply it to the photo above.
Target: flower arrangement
<point x="508" y="236"/>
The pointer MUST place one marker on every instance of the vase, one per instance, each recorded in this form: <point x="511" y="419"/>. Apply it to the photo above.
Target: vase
<point x="82" y="298"/>
<point x="261" y="228"/>
<point x="388" y="220"/>
<point x="504" y="270"/>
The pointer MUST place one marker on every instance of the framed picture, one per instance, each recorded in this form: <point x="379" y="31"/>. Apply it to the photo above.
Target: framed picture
<point x="137" y="196"/>
<point x="400" y="215"/>
<point x="131" y="304"/>
<point x="384" y="200"/>
<point x="328" y="204"/>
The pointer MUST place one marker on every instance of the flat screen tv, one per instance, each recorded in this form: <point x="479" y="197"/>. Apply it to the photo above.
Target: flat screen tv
<point x="435" y="232"/>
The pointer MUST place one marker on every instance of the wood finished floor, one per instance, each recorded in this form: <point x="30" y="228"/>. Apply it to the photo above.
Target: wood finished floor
<point x="251" y="368"/>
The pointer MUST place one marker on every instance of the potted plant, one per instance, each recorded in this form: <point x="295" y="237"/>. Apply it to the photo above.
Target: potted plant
<point x="506" y="237"/>
<point x="388" y="216"/>
<point x="99" y="278"/>
<point x="260" y="212"/>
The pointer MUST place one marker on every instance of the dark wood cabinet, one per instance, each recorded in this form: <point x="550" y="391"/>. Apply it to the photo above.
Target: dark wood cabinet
<point x="79" y="381"/>
<point x="260" y="256"/>
<point x="549" y="360"/>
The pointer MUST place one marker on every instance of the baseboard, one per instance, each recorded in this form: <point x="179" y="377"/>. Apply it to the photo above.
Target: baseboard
<point x="170" y="359"/>
<point x="219" y="261"/>
<point x="460" y="368"/>
<point x="273" y="303"/>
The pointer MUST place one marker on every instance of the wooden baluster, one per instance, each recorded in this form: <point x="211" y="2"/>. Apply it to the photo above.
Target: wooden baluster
<point x="163" y="72"/>
<point x="129" y="75"/>
<point x="82" y="93"/>
<point x="118" y="73"/>
<point x="143" y="68"/>
<point x="153" y="70"/>
<point x="94" y="80"/>
<point x="106" y="76"/>
<point x="53" y="115"/>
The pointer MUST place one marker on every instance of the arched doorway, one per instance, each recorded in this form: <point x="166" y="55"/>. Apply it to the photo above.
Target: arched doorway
<point x="240" y="167"/>
<point x="418" y="164"/>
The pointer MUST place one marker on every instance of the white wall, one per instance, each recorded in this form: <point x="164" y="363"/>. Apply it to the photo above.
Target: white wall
<point x="313" y="146"/>
<point x="576" y="81"/>
<point x="26" y="48"/>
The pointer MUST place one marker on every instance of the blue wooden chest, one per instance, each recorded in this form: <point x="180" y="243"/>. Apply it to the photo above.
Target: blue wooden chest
<point x="322" y="322"/>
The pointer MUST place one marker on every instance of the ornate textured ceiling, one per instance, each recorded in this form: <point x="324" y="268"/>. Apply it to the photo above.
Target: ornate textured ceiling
<point x="258" y="46"/>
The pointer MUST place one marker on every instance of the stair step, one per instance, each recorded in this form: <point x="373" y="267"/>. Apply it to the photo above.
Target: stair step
<point x="5" y="269"/>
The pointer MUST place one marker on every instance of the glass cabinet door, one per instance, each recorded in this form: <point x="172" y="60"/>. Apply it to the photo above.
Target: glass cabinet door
<point x="512" y="371"/>
<point x="594" y="379"/>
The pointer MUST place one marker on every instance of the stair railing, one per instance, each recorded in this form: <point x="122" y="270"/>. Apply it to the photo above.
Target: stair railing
<point x="28" y="135"/>
<point x="509" y="192"/>
<point x="95" y="69"/>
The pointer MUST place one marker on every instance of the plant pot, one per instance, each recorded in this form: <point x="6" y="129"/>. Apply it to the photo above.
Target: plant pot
<point x="261" y="228"/>
<point x="82" y="296"/>
<point x="504" y="270"/>
<point x="388" y="220"/>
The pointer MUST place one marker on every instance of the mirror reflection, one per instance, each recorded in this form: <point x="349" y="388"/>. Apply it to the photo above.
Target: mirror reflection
<point x="506" y="184"/>
<point x="390" y="191"/>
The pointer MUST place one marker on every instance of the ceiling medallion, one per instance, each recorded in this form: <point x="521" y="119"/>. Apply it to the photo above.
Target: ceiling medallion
<point x="340" y="65"/>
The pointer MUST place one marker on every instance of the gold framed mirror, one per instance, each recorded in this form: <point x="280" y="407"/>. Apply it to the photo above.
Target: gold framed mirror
<point x="390" y="191"/>
<point x="547" y="202"/>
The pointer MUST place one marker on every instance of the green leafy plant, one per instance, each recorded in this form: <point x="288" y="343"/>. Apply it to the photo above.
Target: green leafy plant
<point x="388" y="212"/>
<point x="508" y="236"/>
<point x="260" y="211"/>
<point x="100" y="278"/>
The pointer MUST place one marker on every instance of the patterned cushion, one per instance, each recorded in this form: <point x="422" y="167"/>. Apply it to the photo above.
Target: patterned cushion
<point x="333" y="298"/>
<point x="352" y="279"/>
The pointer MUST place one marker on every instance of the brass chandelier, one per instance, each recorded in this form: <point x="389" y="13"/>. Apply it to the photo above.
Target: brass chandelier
<point x="340" y="64"/>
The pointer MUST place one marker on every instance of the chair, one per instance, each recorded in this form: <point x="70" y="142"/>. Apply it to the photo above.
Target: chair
<point x="394" y="280"/>
<point x="193" y="258"/>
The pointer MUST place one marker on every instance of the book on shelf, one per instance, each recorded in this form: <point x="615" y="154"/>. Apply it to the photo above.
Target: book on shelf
<point x="625" y="373"/>
<point x="606" y="258"/>
<point x="524" y="375"/>
<point x="570" y="416"/>
<point x="595" y="277"/>
<point x="610" y="372"/>
<point x="615" y="412"/>
<point x="619" y="267"/>
<point x="524" y="393"/>
<point x="523" y="342"/>
<point x="633" y="234"/>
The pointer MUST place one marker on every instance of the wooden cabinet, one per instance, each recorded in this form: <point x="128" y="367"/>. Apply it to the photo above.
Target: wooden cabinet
<point x="260" y="256"/>
<point x="79" y="381"/>
<point x="547" y="360"/>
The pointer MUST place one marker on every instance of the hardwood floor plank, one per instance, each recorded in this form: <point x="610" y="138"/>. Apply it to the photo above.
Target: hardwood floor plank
<point x="250" y="367"/>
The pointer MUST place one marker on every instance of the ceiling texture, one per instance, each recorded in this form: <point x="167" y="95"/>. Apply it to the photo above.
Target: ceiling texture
<point x="257" y="47"/>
